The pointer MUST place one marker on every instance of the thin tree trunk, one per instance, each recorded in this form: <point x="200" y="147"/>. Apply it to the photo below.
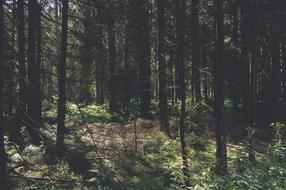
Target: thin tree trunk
<point x="3" y="160"/>
<point x="221" y="166"/>
<point x="38" y="82"/>
<point x="181" y="9"/>
<point x="143" y="38"/>
<point x="113" y="104"/>
<point x="33" y="122"/>
<point x="22" y="101"/>
<point x="12" y="65"/>
<point x="236" y="73"/>
<point x="196" y="64"/>
<point x="163" y="93"/>
<point x="62" y="78"/>
<point x="252" y="82"/>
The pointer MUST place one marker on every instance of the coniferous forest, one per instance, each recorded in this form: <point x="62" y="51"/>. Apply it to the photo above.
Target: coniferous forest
<point x="142" y="94"/>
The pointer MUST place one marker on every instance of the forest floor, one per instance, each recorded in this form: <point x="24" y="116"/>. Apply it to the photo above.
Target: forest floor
<point x="136" y="155"/>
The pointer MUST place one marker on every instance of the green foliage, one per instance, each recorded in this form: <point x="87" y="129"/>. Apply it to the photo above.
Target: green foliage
<point x="196" y="142"/>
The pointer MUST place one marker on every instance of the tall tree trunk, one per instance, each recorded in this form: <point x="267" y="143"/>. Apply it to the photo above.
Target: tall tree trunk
<point x="221" y="153"/>
<point x="12" y="65"/>
<point x="3" y="160"/>
<point x="245" y="25"/>
<point x="87" y="50"/>
<point x="113" y="104"/>
<point x="177" y="57"/>
<point x="143" y="37"/>
<point x="62" y="78"/>
<point x="252" y="81"/>
<point x="236" y="68"/>
<point x="196" y="63"/>
<point x="100" y="69"/>
<point x="181" y="9"/>
<point x="163" y="92"/>
<point x="33" y="122"/>
<point x="38" y="82"/>
<point x="22" y="78"/>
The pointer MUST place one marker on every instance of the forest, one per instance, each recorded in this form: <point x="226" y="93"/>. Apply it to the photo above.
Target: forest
<point x="142" y="94"/>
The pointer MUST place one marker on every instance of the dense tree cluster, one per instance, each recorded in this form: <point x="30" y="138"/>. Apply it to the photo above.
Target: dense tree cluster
<point x="190" y="52"/>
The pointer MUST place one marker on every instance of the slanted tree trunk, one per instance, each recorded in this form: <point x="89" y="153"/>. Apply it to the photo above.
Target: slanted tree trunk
<point x="163" y="93"/>
<point x="3" y="159"/>
<point x="221" y="165"/>
<point x="62" y="78"/>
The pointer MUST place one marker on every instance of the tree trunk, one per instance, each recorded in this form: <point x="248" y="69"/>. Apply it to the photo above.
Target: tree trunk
<point x="143" y="38"/>
<point x="181" y="9"/>
<point x="3" y="160"/>
<point x="221" y="166"/>
<point x="22" y="78"/>
<point x="113" y="104"/>
<point x="163" y="92"/>
<point x="38" y="82"/>
<point x="33" y="120"/>
<point x="252" y="81"/>
<point x="100" y="69"/>
<point x="12" y="65"/>
<point x="62" y="78"/>
<point x="245" y="25"/>
<point x="236" y="68"/>
<point x="196" y="63"/>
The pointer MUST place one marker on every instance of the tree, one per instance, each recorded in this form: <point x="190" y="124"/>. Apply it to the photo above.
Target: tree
<point x="196" y="65"/>
<point x="34" y="121"/>
<point x="143" y="44"/>
<point x="22" y="78"/>
<point x="113" y="104"/>
<point x="252" y="80"/>
<point x="100" y="60"/>
<point x="3" y="159"/>
<point x="181" y="10"/>
<point x="38" y="82"/>
<point x="62" y="78"/>
<point x="221" y="153"/>
<point x="236" y="73"/>
<point x="163" y="93"/>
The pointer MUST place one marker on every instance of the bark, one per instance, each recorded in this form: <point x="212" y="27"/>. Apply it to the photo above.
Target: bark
<point x="196" y="63"/>
<point x="113" y="104"/>
<point x="85" y="96"/>
<point x="252" y="81"/>
<point x="33" y="120"/>
<point x="62" y="78"/>
<point x="163" y="93"/>
<point x="245" y="25"/>
<point x="3" y="160"/>
<point x="38" y="82"/>
<point x="236" y="68"/>
<point x="181" y="9"/>
<point x="221" y="166"/>
<point x="22" y="78"/>
<point x="143" y="37"/>
<point x="100" y="69"/>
